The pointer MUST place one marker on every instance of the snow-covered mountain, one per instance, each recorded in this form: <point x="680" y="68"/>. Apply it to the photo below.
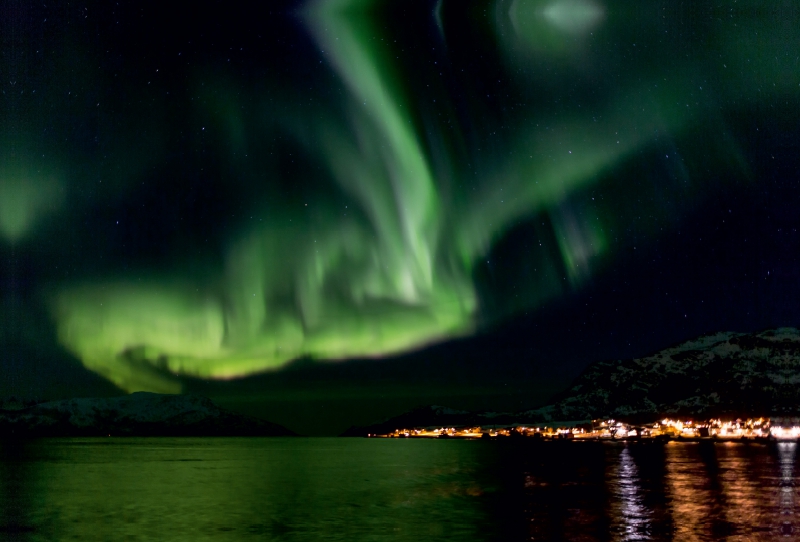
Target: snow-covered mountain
<point x="138" y="414"/>
<point x="723" y="374"/>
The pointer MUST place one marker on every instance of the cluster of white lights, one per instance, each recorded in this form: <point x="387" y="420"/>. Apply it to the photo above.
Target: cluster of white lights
<point x="785" y="433"/>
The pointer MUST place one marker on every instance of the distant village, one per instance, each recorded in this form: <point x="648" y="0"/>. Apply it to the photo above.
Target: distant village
<point x="609" y="429"/>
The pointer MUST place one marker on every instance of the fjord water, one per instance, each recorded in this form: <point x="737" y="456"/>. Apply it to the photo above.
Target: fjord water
<point x="248" y="489"/>
<point x="367" y="489"/>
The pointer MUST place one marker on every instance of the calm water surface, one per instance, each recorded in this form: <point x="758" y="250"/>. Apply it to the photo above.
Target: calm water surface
<point x="359" y="489"/>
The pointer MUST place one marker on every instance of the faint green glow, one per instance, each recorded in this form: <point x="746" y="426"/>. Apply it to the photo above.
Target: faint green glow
<point x="26" y="195"/>
<point x="572" y="16"/>
<point x="580" y="242"/>
<point x="396" y="274"/>
<point x="543" y="25"/>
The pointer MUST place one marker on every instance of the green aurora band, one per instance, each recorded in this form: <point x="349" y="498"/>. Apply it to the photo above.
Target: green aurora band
<point x="395" y="272"/>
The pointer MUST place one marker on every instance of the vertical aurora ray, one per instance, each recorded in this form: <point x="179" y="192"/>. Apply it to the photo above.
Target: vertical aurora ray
<point x="410" y="219"/>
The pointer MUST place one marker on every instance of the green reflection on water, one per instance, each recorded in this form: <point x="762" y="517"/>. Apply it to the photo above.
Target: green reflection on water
<point x="249" y="489"/>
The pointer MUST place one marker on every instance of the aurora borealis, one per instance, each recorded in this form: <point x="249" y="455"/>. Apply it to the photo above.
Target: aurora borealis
<point x="357" y="179"/>
<point x="391" y="272"/>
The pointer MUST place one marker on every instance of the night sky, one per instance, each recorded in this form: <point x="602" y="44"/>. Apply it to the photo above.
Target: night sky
<point x="333" y="211"/>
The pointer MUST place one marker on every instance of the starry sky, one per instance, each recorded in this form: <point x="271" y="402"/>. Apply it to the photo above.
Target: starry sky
<point x="336" y="210"/>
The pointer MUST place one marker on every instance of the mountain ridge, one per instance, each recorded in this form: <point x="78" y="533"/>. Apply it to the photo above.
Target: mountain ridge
<point x="137" y="414"/>
<point x="714" y="374"/>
